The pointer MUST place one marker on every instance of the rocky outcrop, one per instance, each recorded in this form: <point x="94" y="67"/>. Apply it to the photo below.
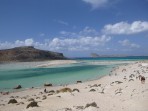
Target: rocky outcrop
<point x="18" y="87"/>
<point x="32" y="104"/>
<point x="93" y="104"/>
<point x="79" y="82"/>
<point x="64" y="90"/>
<point x="47" y="84"/>
<point x="28" y="53"/>
<point x="12" y="101"/>
<point x="75" y="90"/>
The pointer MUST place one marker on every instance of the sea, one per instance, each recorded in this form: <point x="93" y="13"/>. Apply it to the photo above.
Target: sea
<point x="28" y="75"/>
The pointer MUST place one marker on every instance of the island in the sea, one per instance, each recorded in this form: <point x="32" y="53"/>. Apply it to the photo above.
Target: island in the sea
<point x="95" y="55"/>
<point x="28" y="53"/>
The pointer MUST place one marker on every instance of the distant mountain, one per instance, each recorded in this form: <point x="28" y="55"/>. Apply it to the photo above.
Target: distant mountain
<point x="97" y="55"/>
<point x="28" y="53"/>
<point x="94" y="55"/>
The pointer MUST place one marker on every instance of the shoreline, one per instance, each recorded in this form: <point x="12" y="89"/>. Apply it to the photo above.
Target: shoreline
<point x="48" y="64"/>
<point x="62" y="85"/>
<point x="42" y="87"/>
<point x="11" y="90"/>
<point x="118" y="93"/>
<point x="56" y="63"/>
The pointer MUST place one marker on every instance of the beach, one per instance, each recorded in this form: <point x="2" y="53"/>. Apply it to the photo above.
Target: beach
<point x="55" y="63"/>
<point x="120" y="90"/>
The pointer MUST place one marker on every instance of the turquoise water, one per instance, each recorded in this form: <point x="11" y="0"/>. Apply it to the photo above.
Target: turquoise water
<point x="23" y="73"/>
<point x="128" y="58"/>
<point x="36" y="77"/>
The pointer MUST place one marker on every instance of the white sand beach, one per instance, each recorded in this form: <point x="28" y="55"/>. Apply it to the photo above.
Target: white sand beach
<point x="55" y="63"/>
<point x="50" y="63"/>
<point x="121" y="90"/>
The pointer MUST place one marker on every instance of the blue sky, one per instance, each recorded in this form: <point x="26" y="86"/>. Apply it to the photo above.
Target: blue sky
<point x="76" y="27"/>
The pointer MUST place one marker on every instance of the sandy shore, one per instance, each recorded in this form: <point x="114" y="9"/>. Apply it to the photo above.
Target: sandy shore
<point x="121" y="90"/>
<point x="55" y="63"/>
<point x="23" y="65"/>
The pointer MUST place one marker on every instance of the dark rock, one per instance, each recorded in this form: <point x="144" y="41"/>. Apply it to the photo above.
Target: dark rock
<point x="18" y="104"/>
<point x="50" y="94"/>
<point x="30" y="99"/>
<point x="95" y="85"/>
<point x="102" y="92"/>
<point x="112" y="83"/>
<point x="12" y="101"/>
<point x="52" y="91"/>
<point x="75" y="90"/>
<point x="44" y="97"/>
<point x="99" y="85"/>
<point x="92" y="90"/>
<point x="17" y="97"/>
<point x="37" y="97"/>
<point x="91" y="104"/>
<point x="12" y="97"/>
<point x="41" y="93"/>
<point x="64" y="90"/>
<point x="131" y="80"/>
<point x="47" y="84"/>
<point x="32" y="104"/>
<point x="79" y="82"/>
<point x="118" y="82"/>
<point x="21" y="102"/>
<point x="79" y="107"/>
<point x="118" y="92"/>
<point x="18" y="87"/>
<point x="68" y="109"/>
<point x="2" y="104"/>
<point x="131" y="76"/>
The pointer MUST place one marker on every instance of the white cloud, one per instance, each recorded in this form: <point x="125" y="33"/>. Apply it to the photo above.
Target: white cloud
<point x="5" y="45"/>
<point x="87" y="39"/>
<point x="29" y="42"/>
<point x="129" y="44"/>
<point x="81" y="43"/>
<point x="87" y="31"/>
<point x="70" y="44"/>
<point x="62" y="22"/>
<point x="96" y="3"/>
<point x="69" y="34"/>
<point x="17" y="43"/>
<point x="126" y="28"/>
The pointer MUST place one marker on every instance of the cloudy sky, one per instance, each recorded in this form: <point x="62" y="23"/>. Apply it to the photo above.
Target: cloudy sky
<point x="76" y="27"/>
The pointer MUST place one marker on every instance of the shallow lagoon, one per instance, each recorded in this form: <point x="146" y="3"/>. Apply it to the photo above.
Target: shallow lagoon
<point x="28" y="75"/>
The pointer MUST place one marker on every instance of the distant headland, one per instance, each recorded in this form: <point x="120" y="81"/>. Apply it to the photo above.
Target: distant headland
<point x="97" y="55"/>
<point x="27" y="54"/>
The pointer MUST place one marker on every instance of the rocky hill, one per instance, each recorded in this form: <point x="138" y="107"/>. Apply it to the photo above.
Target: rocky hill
<point x="28" y="53"/>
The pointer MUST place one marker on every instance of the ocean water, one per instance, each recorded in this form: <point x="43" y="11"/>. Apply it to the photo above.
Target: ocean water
<point x="27" y="75"/>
